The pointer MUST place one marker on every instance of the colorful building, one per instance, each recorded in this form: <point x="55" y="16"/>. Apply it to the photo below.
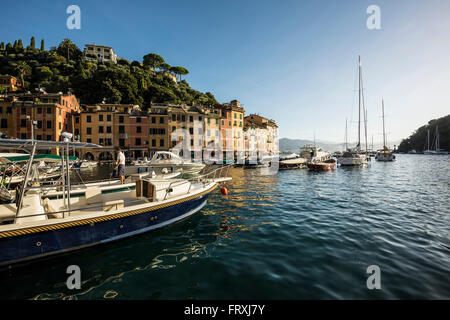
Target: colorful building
<point x="8" y="83"/>
<point x="99" y="52"/>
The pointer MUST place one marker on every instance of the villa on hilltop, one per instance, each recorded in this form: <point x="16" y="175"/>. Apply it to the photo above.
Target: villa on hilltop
<point x="99" y="52"/>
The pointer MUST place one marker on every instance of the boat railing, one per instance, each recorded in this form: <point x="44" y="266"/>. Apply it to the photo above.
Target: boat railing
<point x="205" y="179"/>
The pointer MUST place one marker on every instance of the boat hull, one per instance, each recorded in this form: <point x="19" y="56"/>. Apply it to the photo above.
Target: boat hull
<point x="34" y="243"/>
<point x="321" y="166"/>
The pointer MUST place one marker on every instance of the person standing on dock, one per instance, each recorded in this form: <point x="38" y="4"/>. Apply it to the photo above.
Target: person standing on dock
<point x="120" y="164"/>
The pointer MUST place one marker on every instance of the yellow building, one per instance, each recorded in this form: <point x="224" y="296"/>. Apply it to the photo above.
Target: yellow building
<point x="99" y="52"/>
<point x="237" y="121"/>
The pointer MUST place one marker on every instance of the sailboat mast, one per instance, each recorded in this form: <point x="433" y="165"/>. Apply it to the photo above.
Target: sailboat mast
<point x="437" y="139"/>
<point x="359" y="103"/>
<point x="428" y="148"/>
<point x="346" y="146"/>
<point x="384" y="131"/>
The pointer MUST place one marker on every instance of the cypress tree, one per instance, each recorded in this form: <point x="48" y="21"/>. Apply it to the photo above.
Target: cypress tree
<point x="9" y="47"/>
<point x="2" y="46"/>
<point x="32" y="43"/>
<point x="42" y="45"/>
<point x="15" y="44"/>
<point x="20" y="44"/>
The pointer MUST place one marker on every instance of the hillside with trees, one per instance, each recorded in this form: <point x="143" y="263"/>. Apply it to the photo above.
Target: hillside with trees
<point x="63" y="68"/>
<point x="418" y="140"/>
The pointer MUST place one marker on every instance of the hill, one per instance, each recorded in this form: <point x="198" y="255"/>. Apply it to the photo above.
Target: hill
<point x="294" y="145"/>
<point x="418" y="140"/>
<point x="63" y="68"/>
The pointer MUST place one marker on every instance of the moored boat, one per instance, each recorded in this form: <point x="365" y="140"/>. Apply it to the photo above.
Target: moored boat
<point x="326" y="165"/>
<point x="34" y="227"/>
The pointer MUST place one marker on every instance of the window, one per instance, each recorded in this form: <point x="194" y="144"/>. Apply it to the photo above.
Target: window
<point x="100" y="117"/>
<point x="39" y="137"/>
<point x="235" y="123"/>
<point x="59" y="125"/>
<point x="88" y="130"/>
<point x="23" y="123"/>
<point x="217" y="121"/>
<point x="49" y="137"/>
<point x="138" y="119"/>
<point x="174" y="117"/>
<point x="153" y="120"/>
<point x="88" y="119"/>
<point x="100" y="141"/>
<point x="24" y="111"/>
<point x="223" y="122"/>
<point x="161" y="143"/>
<point x="4" y="123"/>
<point x="192" y="142"/>
<point x="39" y="111"/>
<point x="229" y="123"/>
<point x="183" y="118"/>
<point x="1" y="109"/>
<point x="108" y="117"/>
<point x="209" y="120"/>
<point x="77" y="120"/>
<point x="138" y="129"/>
<point x="138" y="141"/>
<point x="8" y="110"/>
<point x="174" y="129"/>
<point x="100" y="129"/>
<point x="235" y="115"/>
<point x="89" y="140"/>
<point x="39" y="124"/>
<point x="49" y="111"/>
<point x="49" y="124"/>
<point x="108" y="129"/>
<point x="120" y="119"/>
<point x="121" y="129"/>
<point x="23" y="136"/>
<point x="199" y="130"/>
<point x="191" y="130"/>
<point x="153" y="143"/>
<point x="191" y="118"/>
<point x="240" y="124"/>
<point x="60" y="111"/>
<point x="240" y="116"/>
<point x="161" y="120"/>
<point x="200" y="118"/>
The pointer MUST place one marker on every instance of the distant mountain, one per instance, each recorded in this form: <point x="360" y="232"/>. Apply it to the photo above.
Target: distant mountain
<point x="294" y="145"/>
<point x="418" y="140"/>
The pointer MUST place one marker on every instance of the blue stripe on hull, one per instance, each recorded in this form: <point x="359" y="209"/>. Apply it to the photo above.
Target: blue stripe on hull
<point x="36" y="245"/>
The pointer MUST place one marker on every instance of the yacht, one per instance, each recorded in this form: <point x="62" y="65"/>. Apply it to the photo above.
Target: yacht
<point x="166" y="161"/>
<point x="385" y="154"/>
<point x="356" y="157"/>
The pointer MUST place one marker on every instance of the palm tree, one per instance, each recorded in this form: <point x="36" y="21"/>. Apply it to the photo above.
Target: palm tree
<point x="22" y="69"/>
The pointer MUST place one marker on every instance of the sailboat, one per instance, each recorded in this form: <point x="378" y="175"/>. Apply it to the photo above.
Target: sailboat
<point x="437" y="150"/>
<point x="384" y="154"/>
<point x="355" y="157"/>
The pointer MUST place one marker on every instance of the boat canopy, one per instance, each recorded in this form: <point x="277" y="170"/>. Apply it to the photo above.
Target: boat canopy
<point x="28" y="144"/>
<point x="20" y="157"/>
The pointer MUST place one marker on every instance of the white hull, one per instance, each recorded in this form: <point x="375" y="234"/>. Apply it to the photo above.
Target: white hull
<point x="357" y="160"/>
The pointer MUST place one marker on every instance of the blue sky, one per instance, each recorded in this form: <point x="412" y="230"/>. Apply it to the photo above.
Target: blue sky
<point x="293" y="61"/>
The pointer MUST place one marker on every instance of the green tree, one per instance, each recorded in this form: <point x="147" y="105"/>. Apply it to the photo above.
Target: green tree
<point x="153" y="60"/>
<point x="32" y="43"/>
<point x="20" y="44"/>
<point x="9" y="47"/>
<point x="179" y="71"/>
<point x="2" y="46"/>
<point x="22" y="69"/>
<point x="42" y="45"/>
<point x="69" y="50"/>
<point x="165" y="66"/>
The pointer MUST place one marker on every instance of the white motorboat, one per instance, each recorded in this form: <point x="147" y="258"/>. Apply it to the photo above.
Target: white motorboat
<point x="34" y="228"/>
<point x="166" y="161"/>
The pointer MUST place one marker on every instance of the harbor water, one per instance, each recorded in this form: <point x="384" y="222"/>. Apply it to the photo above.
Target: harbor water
<point x="293" y="235"/>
